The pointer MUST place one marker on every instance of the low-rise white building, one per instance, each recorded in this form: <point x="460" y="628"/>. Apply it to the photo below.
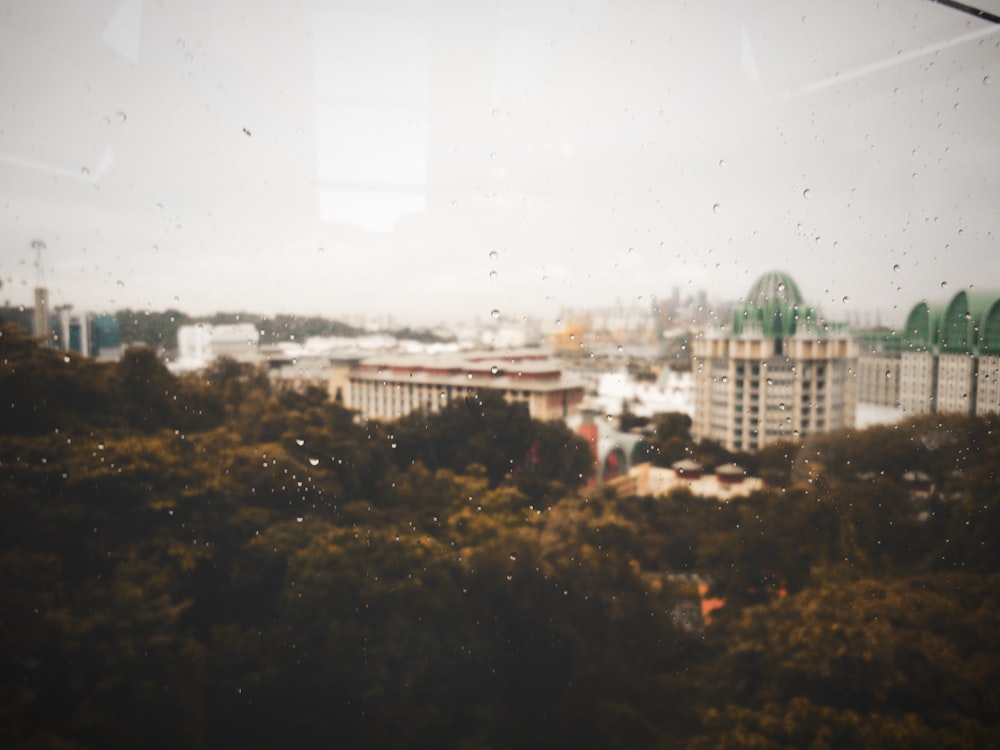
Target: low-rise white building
<point x="389" y="387"/>
<point x="199" y="344"/>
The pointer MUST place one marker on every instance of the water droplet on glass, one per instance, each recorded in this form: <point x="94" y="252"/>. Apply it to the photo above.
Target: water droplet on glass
<point x="494" y="255"/>
<point x="896" y="268"/>
<point x="987" y="80"/>
<point x="494" y="369"/>
<point x="716" y="208"/>
<point x="314" y="462"/>
<point x="84" y="171"/>
<point x="300" y="441"/>
<point x="298" y="519"/>
<point x="781" y="286"/>
<point x="944" y="284"/>
<point x="493" y="275"/>
<point x="513" y="555"/>
<point x="320" y="249"/>
<point x="66" y="359"/>
<point x="845" y="299"/>
<point x="495" y="112"/>
<point x="807" y="193"/>
<point x="620" y="348"/>
<point x="495" y="314"/>
<point x="722" y="162"/>
<point x="180" y="43"/>
<point x="120" y="284"/>
<point x="119" y="117"/>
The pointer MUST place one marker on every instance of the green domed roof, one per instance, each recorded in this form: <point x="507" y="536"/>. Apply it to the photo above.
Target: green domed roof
<point x="772" y="287"/>
<point x="773" y="308"/>
<point x="967" y="323"/>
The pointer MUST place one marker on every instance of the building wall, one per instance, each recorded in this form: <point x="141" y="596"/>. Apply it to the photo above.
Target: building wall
<point x="955" y="383"/>
<point x="390" y="398"/>
<point x="988" y="386"/>
<point x="917" y="382"/>
<point x="878" y="379"/>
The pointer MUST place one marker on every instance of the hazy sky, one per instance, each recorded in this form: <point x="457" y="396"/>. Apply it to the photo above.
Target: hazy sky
<point x="437" y="160"/>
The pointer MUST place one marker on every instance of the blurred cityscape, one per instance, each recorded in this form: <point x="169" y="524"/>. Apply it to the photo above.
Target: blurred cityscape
<point x="746" y="373"/>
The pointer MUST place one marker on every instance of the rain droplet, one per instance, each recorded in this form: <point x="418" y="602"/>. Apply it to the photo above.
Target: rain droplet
<point x="494" y="255"/>
<point x="716" y="208"/>
<point x="494" y="369"/>
<point x="66" y="359"/>
<point x="300" y="441"/>
<point x="987" y="80"/>
<point x="845" y="298"/>
<point x="84" y="171"/>
<point x="493" y="275"/>
<point x="722" y="162"/>
<point x="807" y="193"/>
<point x="120" y="284"/>
<point x="119" y="117"/>
<point x="944" y="284"/>
<point x="896" y="268"/>
<point x="513" y="555"/>
<point x="298" y="519"/>
<point x="314" y="462"/>
<point x="495" y="314"/>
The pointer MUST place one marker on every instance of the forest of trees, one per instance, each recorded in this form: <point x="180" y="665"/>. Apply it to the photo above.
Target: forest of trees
<point x="205" y="562"/>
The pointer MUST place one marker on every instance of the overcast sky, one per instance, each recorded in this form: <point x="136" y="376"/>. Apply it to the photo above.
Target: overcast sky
<point x="438" y="160"/>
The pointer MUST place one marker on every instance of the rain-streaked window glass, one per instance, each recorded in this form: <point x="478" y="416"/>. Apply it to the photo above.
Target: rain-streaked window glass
<point x="499" y="374"/>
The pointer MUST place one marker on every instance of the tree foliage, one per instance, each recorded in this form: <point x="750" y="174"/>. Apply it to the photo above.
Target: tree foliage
<point x="206" y="562"/>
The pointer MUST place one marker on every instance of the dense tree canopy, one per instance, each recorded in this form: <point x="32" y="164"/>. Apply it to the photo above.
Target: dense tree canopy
<point x="206" y="562"/>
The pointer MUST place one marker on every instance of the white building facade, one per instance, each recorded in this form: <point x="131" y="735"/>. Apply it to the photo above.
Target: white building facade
<point x="390" y="387"/>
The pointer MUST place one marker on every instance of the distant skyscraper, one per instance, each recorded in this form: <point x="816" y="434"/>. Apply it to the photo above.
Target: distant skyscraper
<point x="779" y="373"/>
<point x="42" y="327"/>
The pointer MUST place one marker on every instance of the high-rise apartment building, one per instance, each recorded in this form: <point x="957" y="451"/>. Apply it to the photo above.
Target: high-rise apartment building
<point x="777" y="373"/>
<point x="950" y="356"/>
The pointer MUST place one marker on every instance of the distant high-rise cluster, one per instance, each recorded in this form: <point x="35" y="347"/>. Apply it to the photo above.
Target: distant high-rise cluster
<point x="778" y="373"/>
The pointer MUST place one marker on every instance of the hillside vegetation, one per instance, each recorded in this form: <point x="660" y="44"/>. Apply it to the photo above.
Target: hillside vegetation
<point x="203" y="562"/>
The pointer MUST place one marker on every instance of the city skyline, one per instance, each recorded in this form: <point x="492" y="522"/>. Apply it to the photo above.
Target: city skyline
<point x="435" y="162"/>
